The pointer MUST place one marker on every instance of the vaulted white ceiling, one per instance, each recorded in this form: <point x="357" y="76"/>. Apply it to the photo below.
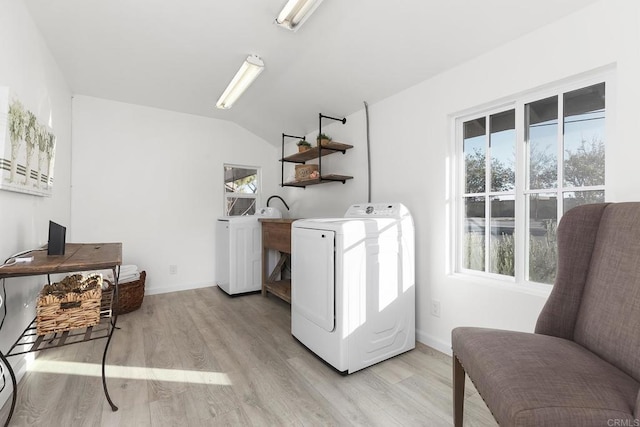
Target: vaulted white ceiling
<point x="180" y="54"/>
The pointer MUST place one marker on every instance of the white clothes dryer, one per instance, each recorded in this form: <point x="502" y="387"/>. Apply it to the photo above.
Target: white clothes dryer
<point x="238" y="260"/>
<point x="353" y="285"/>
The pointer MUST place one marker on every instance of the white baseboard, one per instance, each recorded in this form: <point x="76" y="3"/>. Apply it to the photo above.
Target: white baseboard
<point x="436" y="344"/>
<point x="176" y="288"/>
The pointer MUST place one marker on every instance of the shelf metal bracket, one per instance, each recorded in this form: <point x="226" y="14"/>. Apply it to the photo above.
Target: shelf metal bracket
<point x="284" y="135"/>
<point x="320" y="117"/>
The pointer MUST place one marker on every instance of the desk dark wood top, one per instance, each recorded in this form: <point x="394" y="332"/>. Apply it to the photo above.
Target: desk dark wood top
<point x="77" y="257"/>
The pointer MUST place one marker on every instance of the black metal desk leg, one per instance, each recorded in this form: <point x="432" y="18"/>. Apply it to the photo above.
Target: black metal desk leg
<point x="104" y="360"/>
<point x="14" y="384"/>
<point x="114" y="319"/>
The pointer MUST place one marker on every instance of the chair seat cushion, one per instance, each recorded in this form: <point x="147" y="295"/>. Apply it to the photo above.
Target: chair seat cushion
<point x="539" y="380"/>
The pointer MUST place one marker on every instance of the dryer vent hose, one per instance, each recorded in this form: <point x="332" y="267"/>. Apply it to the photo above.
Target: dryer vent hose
<point x="366" y="112"/>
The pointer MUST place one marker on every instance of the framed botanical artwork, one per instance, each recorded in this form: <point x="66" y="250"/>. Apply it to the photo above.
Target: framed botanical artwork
<point x="27" y="148"/>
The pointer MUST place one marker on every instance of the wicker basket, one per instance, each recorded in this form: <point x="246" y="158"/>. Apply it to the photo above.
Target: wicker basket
<point x="72" y="303"/>
<point x="304" y="171"/>
<point x="130" y="294"/>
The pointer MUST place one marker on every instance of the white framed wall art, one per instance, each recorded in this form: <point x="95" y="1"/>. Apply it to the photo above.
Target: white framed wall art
<point x="27" y="148"/>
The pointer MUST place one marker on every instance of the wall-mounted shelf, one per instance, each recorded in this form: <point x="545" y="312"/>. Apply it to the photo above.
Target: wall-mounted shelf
<point x="323" y="179"/>
<point x="315" y="152"/>
<point x="327" y="147"/>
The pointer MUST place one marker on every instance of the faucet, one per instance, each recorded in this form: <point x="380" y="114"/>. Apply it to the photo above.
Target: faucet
<point x="278" y="197"/>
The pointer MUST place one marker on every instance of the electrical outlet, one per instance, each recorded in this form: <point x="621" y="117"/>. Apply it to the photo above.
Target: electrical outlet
<point x="435" y="308"/>
<point x="173" y="269"/>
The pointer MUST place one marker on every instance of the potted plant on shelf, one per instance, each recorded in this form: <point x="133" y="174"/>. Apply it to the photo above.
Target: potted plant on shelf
<point x="323" y="139"/>
<point x="303" y="146"/>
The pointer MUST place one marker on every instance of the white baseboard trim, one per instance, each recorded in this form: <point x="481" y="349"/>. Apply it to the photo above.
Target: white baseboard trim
<point x="436" y="344"/>
<point x="176" y="288"/>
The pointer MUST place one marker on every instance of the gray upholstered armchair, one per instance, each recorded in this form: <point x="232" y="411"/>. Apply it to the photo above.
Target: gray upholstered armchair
<point x="581" y="367"/>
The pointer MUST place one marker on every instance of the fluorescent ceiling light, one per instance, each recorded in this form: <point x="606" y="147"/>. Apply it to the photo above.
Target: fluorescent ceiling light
<point x="247" y="73"/>
<point x="295" y="12"/>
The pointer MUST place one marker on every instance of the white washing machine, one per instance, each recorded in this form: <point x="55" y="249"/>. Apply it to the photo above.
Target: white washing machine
<point x="239" y="251"/>
<point x="352" y="285"/>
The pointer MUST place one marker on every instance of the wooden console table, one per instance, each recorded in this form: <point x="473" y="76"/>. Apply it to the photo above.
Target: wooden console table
<point x="77" y="257"/>
<point x="276" y="234"/>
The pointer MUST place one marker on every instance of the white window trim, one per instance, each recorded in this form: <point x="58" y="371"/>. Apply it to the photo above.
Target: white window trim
<point x="517" y="102"/>
<point x="257" y="196"/>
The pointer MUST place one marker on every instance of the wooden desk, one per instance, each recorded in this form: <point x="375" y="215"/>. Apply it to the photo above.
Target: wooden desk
<point x="276" y="234"/>
<point x="77" y="257"/>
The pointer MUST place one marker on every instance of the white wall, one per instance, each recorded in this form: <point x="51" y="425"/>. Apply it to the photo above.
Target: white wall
<point x="153" y="180"/>
<point x="28" y="69"/>
<point x="411" y="137"/>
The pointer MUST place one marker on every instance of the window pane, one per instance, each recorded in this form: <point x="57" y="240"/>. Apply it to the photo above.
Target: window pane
<point x="577" y="198"/>
<point x="240" y="180"/>
<point x="237" y="206"/>
<point x="543" y="220"/>
<point x="584" y="136"/>
<point x="542" y="137"/>
<point x="501" y="240"/>
<point x="474" y="228"/>
<point x="474" y="147"/>
<point x="503" y="151"/>
<point x="563" y="166"/>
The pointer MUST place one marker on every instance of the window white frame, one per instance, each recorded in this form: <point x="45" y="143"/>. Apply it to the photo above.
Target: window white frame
<point x="257" y="196"/>
<point x="518" y="103"/>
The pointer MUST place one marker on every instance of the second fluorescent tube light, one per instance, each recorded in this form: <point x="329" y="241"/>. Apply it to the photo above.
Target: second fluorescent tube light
<point x="295" y="12"/>
<point x="247" y="73"/>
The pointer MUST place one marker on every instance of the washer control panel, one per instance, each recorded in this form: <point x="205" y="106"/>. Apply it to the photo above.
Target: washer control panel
<point x="384" y="210"/>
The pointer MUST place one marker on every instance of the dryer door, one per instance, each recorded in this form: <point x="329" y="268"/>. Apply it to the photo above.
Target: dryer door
<point x="313" y="276"/>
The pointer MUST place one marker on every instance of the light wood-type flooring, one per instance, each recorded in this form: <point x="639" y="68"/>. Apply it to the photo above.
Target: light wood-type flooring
<point x="202" y="358"/>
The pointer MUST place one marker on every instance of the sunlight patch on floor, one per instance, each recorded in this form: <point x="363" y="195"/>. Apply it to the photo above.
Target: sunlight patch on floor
<point x="129" y="372"/>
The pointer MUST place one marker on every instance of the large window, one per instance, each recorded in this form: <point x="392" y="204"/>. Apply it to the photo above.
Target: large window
<point x="241" y="189"/>
<point x="522" y="167"/>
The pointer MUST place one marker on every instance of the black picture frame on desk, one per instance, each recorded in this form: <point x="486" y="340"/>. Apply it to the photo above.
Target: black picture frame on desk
<point x="57" y="238"/>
